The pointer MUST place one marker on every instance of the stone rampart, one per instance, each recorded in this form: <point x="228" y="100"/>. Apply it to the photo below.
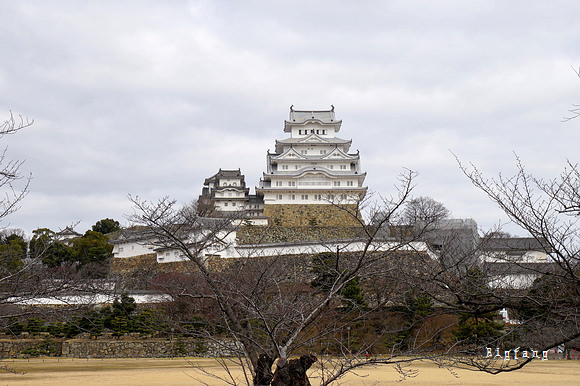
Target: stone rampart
<point x="256" y="235"/>
<point x="298" y="215"/>
<point x="129" y="264"/>
<point x="115" y="348"/>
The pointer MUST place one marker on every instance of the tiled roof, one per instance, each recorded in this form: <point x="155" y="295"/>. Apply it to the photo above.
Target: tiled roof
<point x="299" y="116"/>
<point x="513" y="243"/>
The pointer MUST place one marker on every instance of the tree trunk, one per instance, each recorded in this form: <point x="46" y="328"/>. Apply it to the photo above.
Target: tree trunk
<point x="293" y="372"/>
<point x="264" y="371"/>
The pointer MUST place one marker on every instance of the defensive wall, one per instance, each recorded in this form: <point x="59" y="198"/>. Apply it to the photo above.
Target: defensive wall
<point x="105" y="347"/>
<point x="299" y="215"/>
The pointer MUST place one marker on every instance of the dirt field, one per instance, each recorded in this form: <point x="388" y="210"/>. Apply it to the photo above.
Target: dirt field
<point x="180" y="372"/>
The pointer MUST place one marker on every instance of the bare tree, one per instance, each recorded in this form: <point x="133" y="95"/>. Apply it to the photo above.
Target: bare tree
<point x="12" y="267"/>
<point x="549" y="210"/>
<point x="10" y="169"/>
<point x="269" y="314"/>
<point x="425" y="210"/>
<point x="575" y="110"/>
<point x="398" y="293"/>
<point x="23" y="279"/>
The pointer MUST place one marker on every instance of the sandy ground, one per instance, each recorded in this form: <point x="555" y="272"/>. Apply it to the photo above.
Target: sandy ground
<point x="180" y="372"/>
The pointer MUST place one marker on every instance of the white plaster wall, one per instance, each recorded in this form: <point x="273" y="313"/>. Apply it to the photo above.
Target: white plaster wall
<point x="310" y="248"/>
<point x="224" y="249"/>
<point x="229" y="193"/>
<point x="131" y="249"/>
<point x="514" y="281"/>
<point x="340" y="196"/>
<point x="230" y="181"/>
<point x="329" y="133"/>
<point x="527" y="257"/>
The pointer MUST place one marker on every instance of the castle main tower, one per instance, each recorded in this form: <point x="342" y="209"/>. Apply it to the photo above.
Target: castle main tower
<point x="311" y="177"/>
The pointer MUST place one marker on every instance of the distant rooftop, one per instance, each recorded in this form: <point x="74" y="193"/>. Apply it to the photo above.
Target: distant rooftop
<point x="514" y="243"/>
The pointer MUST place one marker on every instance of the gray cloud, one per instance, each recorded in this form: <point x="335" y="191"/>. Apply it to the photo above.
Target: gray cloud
<point x="150" y="98"/>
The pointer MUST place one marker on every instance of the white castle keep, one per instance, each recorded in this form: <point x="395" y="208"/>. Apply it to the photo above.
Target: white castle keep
<point x="307" y="176"/>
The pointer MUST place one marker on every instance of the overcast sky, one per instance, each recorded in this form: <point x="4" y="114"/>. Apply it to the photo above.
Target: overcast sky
<point x="149" y="97"/>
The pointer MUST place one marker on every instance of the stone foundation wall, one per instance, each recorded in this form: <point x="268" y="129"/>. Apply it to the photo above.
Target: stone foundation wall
<point x="282" y="234"/>
<point x="294" y="268"/>
<point x="117" y="348"/>
<point x="136" y="271"/>
<point x="129" y="264"/>
<point x="15" y="348"/>
<point x="326" y="215"/>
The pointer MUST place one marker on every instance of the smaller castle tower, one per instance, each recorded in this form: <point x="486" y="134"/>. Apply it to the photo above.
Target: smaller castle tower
<point x="226" y="192"/>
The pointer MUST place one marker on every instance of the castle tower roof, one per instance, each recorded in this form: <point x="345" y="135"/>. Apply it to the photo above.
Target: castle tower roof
<point x="302" y="117"/>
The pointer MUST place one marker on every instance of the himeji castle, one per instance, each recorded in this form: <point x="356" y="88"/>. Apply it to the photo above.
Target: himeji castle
<point x="310" y="178"/>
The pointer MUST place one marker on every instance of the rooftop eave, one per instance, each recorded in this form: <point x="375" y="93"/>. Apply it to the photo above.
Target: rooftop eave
<point x="305" y="141"/>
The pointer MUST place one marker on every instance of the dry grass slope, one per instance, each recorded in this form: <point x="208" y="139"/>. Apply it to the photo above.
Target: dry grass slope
<point x="180" y="372"/>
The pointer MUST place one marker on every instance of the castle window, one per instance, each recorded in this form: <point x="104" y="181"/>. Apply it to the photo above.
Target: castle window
<point x="279" y="197"/>
<point x="120" y="249"/>
<point x="278" y="183"/>
<point x="291" y="183"/>
<point x="349" y="183"/>
<point x="343" y="196"/>
<point x="225" y="204"/>
<point x="343" y="167"/>
<point x="296" y="167"/>
<point x="323" y="131"/>
<point x="332" y="166"/>
<point x="303" y="151"/>
<point x="233" y="204"/>
<point x="299" y="132"/>
<point x="292" y="197"/>
<point x="317" y="131"/>
<point x="305" y="196"/>
<point x="312" y="131"/>
<point x="322" y="151"/>
<point x="285" y="167"/>
<point x="336" y="183"/>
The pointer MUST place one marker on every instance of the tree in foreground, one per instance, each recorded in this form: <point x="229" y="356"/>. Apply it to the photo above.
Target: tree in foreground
<point x="264" y="312"/>
<point x="10" y="173"/>
<point x="23" y="279"/>
<point x="14" y="272"/>
<point x="392" y="302"/>
<point x="401" y="295"/>
<point x="548" y="314"/>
